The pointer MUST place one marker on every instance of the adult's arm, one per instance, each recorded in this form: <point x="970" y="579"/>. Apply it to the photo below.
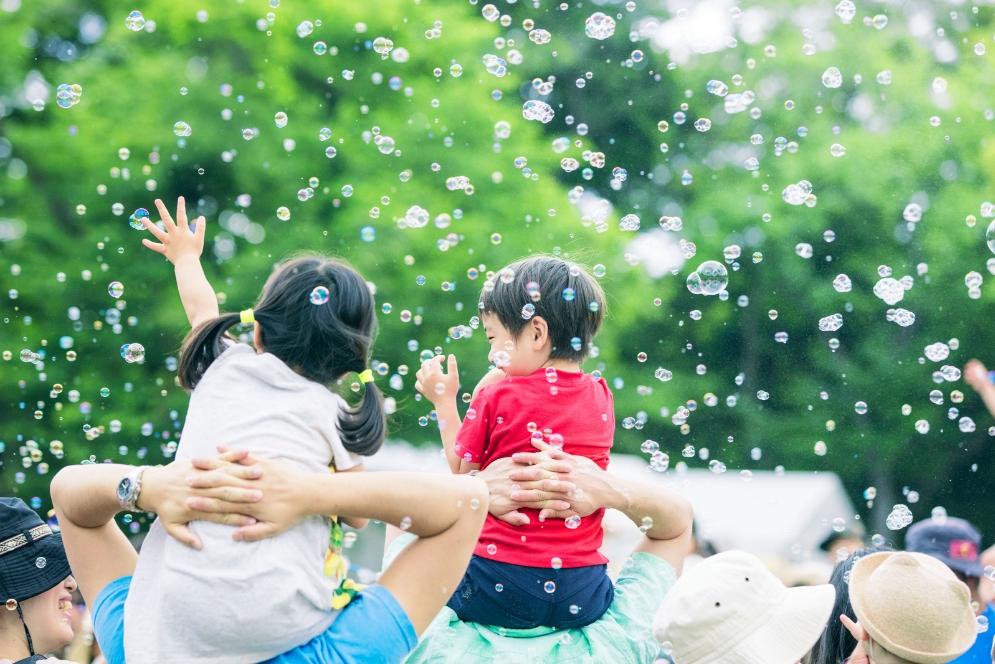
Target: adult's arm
<point x="446" y="512"/>
<point x="85" y="499"/>
<point x="663" y="516"/>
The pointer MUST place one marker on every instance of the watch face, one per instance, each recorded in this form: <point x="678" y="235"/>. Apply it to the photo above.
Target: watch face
<point x="124" y="490"/>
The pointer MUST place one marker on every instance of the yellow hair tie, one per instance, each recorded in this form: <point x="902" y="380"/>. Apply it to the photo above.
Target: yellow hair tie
<point x="366" y="376"/>
<point x="247" y="316"/>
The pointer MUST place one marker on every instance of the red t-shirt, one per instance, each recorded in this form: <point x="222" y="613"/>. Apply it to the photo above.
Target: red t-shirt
<point x="567" y="408"/>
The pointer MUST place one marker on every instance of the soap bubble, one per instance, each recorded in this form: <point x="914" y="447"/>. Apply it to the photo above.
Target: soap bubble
<point x="68" y="94"/>
<point x="537" y="110"/>
<point x="713" y="277"/>
<point x="599" y="26"/>
<point x="319" y="295"/>
<point x="132" y="353"/>
<point x="280" y="119"/>
<point x="182" y="129"/>
<point x="832" y="78"/>
<point x="134" y="21"/>
<point x="990" y="237"/>
<point x="900" y="517"/>
<point x="115" y="289"/>
<point x="137" y="217"/>
<point x="383" y="46"/>
<point x="831" y="323"/>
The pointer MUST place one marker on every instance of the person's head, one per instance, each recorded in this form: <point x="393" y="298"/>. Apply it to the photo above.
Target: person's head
<point x="36" y="584"/>
<point x="911" y="608"/>
<point x="316" y="315"/>
<point x="730" y="608"/>
<point x="538" y="309"/>
<point x="953" y="541"/>
<point x="836" y="642"/>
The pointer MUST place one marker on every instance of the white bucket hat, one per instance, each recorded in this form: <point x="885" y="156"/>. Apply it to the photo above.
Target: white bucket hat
<point x="913" y="606"/>
<point x="730" y="609"/>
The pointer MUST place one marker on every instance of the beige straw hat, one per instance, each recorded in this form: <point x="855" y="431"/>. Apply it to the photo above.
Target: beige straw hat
<point x="730" y="609"/>
<point x="913" y="606"/>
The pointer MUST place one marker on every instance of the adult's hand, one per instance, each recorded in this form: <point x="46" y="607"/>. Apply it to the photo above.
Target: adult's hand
<point x="592" y="488"/>
<point x="515" y="485"/>
<point x="168" y="490"/>
<point x="274" y="507"/>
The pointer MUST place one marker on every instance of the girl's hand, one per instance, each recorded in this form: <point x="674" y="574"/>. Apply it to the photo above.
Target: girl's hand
<point x="168" y="490"/>
<point x="176" y="240"/>
<point x="439" y="388"/>
<point x="221" y="493"/>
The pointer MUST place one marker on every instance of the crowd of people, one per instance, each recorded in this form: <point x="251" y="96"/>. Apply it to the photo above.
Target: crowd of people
<point x="498" y="561"/>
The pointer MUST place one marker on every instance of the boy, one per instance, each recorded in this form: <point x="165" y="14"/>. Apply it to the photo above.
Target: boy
<point x="540" y="315"/>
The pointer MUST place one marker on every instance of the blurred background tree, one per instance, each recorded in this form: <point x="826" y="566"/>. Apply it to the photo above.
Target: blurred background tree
<point x="693" y="117"/>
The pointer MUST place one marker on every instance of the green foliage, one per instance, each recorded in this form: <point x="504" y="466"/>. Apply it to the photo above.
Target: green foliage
<point x="137" y="85"/>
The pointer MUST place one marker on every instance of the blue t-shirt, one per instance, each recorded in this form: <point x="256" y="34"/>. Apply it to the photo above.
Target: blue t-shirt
<point x="981" y="651"/>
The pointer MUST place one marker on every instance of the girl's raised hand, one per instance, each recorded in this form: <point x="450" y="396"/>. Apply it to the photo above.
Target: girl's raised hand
<point x="176" y="239"/>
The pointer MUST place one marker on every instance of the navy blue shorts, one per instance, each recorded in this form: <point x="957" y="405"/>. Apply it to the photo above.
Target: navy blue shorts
<point x="519" y="597"/>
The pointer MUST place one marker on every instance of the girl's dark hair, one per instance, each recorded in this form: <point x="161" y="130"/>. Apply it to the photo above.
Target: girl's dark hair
<point x="568" y="298"/>
<point x="321" y="341"/>
<point x="836" y="643"/>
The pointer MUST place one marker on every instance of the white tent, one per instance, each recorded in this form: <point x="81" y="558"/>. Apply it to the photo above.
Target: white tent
<point x="774" y="515"/>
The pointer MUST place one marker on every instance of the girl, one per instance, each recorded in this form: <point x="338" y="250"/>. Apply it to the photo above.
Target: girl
<point x="314" y="323"/>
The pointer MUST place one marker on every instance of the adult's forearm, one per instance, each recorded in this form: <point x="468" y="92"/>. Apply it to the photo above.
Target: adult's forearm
<point x="658" y="511"/>
<point x="87" y="494"/>
<point x="199" y="300"/>
<point x="425" y="504"/>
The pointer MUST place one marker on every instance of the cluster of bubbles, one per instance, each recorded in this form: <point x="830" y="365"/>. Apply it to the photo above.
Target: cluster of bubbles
<point x="711" y="278"/>
<point x="68" y="95"/>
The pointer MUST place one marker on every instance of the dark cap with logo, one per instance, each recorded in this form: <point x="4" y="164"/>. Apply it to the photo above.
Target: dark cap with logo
<point x="954" y="541"/>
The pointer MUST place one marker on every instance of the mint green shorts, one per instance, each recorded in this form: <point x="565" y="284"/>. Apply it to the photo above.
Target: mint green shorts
<point x="623" y="634"/>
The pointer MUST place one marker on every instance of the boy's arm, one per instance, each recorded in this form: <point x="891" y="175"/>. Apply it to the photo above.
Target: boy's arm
<point x="183" y="247"/>
<point x="441" y="388"/>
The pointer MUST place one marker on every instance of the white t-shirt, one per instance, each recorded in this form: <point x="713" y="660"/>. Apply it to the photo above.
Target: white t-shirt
<point x="234" y="601"/>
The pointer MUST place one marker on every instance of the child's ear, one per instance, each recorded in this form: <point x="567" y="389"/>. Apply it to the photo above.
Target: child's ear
<point x="540" y="332"/>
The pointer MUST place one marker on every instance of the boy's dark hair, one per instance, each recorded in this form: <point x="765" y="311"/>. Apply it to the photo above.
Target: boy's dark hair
<point x="319" y="341"/>
<point x="563" y="293"/>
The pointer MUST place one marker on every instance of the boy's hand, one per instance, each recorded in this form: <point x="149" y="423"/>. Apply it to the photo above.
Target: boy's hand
<point x="176" y="240"/>
<point x="438" y="387"/>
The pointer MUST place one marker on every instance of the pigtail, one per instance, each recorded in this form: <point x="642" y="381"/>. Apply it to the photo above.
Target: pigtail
<point x="202" y="346"/>
<point x="362" y="427"/>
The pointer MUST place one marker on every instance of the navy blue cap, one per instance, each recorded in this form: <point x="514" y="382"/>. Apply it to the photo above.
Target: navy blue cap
<point x="32" y="559"/>
<point x="954" y="541"/>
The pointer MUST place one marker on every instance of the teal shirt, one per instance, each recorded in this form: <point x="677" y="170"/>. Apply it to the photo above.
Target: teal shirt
<point x="624" y="634"/>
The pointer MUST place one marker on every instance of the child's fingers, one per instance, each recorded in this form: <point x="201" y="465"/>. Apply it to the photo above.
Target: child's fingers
<point x="856" y="631"/>
<point x="227" y="519"/>
<point x="181" y="212"/>
<point x="154" y="246"/>
<point x="157" y="232"/>
<point x="164" y="215"/>
<point x="419" y="387"/>
<point x="199" y="230"/>
<point x="451" y="367"/>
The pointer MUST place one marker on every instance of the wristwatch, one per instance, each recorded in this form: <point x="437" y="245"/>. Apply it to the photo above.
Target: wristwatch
<point x="129" y="488"/>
